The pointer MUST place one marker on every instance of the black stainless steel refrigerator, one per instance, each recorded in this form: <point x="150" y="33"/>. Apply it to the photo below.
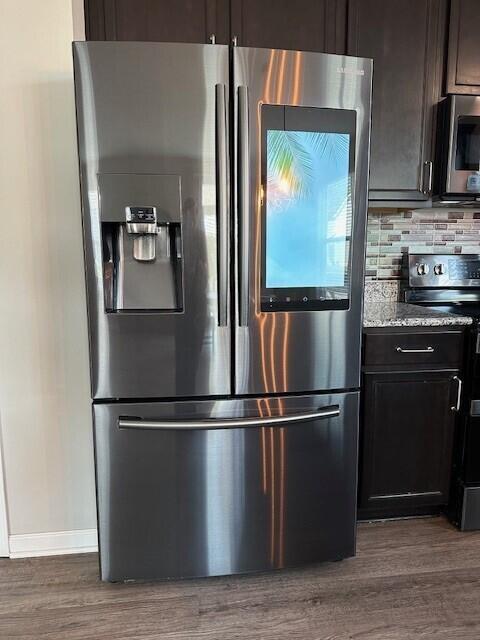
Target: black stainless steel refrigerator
<point x="224" y="196"/>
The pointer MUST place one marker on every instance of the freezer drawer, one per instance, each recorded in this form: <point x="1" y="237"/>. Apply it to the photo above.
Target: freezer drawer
<point x="202" y="488"/>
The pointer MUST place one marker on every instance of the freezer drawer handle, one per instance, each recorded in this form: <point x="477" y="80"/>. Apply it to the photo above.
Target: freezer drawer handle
<point x="222" y="202"/>
<point x="426" y="350"/>
<point x="134" y="423"/>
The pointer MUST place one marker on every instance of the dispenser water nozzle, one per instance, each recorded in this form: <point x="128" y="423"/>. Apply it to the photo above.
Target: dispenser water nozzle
<point x="142" y="222"/>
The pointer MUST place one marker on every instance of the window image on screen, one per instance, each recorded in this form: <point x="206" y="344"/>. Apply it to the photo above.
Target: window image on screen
<point x="308" y="209"/>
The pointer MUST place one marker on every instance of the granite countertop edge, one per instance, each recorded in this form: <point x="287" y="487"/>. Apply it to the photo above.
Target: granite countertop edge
<point x="401" y="314"/>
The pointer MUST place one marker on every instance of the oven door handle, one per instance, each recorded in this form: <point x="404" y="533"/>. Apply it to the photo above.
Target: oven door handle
<point x="475" y="408"/>
<point x="229" y="423"/>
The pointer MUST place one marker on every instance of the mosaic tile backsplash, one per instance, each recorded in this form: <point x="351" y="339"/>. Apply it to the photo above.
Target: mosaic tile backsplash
<point x="393" y="232"/>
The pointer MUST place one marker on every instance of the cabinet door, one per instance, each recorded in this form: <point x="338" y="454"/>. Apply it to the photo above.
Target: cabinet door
<point x="405" y="40"/>
<point x="158" y="20"/>
<point x="309" y="25"/>
<point x="408" y="425"/>
<point x="463" y="73"/>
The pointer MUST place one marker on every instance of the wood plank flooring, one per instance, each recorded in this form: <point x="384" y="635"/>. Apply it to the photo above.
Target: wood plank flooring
<point x="411" y="579"/>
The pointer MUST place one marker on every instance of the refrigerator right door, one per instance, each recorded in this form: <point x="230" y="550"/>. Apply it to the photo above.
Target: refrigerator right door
<point x="302" y="133"/>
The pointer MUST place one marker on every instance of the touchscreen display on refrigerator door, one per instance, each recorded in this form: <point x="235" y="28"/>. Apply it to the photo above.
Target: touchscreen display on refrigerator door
<point x="308" y="212"/>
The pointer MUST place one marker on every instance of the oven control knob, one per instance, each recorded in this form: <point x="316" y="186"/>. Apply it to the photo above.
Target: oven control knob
<point x="439" y="269"/>
<point x="423" y="269"/>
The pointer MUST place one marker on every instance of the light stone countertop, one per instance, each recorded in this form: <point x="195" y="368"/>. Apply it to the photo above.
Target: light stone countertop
<point x="400" y="314"/>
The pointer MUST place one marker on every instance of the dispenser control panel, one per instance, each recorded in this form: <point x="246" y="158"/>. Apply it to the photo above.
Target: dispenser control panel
<point x="142" y="225"/>
<point x="141" y="215"/>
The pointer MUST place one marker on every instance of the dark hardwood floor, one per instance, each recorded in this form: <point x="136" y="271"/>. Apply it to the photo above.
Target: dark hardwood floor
<point x="411" y="579"/>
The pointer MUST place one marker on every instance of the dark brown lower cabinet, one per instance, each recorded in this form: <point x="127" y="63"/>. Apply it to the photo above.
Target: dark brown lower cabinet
<point x="407" y="439"/>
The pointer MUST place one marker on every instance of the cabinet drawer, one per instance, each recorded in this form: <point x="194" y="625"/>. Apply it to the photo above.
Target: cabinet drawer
<point x="417" y="348"/>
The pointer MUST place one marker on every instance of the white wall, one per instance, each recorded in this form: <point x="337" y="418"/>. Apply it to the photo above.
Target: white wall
<point x="44" y="386"/>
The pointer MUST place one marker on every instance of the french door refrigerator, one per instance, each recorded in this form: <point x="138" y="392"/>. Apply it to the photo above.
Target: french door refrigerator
<point x="224" y="197"/>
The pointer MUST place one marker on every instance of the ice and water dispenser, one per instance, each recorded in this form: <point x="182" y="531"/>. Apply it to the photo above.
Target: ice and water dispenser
<point x="141" y="231"/>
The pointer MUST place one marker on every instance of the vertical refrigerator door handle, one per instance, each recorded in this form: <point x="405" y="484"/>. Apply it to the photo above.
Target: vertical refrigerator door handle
<point x="243" y="196"/>
<point x="221" y="157"/>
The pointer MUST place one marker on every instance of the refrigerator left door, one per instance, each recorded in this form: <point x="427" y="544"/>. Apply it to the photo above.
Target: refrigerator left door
<point x="152" y="123"/>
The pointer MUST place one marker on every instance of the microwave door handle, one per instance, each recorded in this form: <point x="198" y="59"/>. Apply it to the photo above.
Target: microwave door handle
<point x="221" y="162"/>
<point x="427" y="177"/>
<point x="243" y="196"/>
<point x="229" y="423"/>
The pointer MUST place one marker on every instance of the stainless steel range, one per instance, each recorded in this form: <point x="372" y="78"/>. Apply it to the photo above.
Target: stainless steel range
<point x="224" y="197"/>
<point x="452" y="283"/>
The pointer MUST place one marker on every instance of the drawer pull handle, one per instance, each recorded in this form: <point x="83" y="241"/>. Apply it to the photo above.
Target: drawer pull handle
<point x="226" y="423"/>
<point x="426" y="350"/>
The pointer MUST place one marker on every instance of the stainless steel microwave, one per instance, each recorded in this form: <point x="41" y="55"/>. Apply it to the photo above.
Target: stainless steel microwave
<point x="459" y="148"/>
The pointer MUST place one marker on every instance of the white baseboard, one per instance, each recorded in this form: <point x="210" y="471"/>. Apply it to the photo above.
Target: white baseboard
<point x="55" y="543"/>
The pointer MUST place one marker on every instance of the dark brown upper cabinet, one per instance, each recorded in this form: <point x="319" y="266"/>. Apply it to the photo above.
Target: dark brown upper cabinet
<point x="406" y="40"/>
<point x="158" y="20"/>
<point x="463" y="70"/>
<point x="309" y="25"/>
